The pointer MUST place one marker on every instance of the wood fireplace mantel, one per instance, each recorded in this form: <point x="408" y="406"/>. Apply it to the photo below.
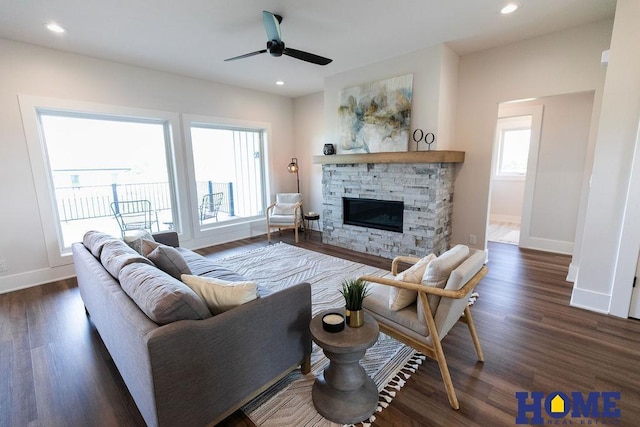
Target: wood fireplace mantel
<point x="435" y="156"/>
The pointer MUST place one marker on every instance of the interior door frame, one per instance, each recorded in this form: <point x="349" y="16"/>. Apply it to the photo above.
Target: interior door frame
<point x="536" y="113"/>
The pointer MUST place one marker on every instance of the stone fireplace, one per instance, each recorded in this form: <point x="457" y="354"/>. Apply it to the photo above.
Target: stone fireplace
<point x="424" y="189"/>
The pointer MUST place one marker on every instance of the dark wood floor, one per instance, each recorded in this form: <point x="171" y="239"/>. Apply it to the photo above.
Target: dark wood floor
<point x="54" y="370"/>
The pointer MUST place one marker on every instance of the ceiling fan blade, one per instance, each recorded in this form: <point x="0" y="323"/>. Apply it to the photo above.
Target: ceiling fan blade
<point x="246" y="55"/>
<point x="306" y="56"/>
<point x="272" y="25"/>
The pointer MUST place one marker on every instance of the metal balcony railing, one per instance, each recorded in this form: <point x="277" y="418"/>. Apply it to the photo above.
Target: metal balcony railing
<point x="87" y="202"/>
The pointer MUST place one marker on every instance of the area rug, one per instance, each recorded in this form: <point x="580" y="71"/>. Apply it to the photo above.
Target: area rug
<point x="389" y="363"/>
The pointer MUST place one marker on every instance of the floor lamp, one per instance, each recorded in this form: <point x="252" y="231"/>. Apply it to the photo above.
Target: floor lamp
<point x="293" y="168"/>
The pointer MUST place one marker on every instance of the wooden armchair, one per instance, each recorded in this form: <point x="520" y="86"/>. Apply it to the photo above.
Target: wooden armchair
<point x="285" y="213"/>
<point x="424" y="323"/>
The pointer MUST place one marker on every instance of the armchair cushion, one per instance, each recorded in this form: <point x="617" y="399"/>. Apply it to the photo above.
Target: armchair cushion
<point x="377" y="303"/>
<point x="449" y="309"/>
<point x="438" y="271"/>
<point x="288" y="198"/>
<point x="401" y="298"/>
<point x="284" y="209"/>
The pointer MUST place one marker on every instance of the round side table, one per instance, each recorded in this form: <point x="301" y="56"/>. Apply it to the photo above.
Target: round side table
<point x="344" y="393"/>
<point x="310" y="217"/>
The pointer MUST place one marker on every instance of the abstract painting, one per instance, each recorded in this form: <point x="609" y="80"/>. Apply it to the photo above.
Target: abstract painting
<point x="375" y="117"/>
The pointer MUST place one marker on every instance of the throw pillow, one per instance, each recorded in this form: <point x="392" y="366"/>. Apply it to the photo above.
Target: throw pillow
<point x="438" y="271"/>
<point x="401" y="298"/>
<point x="134" y="239"/>
<point x="284" y="208"/>
<point x="148" y="246"/>
<point x="221" y="295"/>
<point x="169" y="260"/>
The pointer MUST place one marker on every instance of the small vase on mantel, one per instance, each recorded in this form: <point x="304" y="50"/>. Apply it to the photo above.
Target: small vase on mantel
<point x="354" y="292"/>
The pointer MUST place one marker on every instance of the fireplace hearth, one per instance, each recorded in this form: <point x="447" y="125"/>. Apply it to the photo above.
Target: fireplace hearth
<point x="371" y="213"/>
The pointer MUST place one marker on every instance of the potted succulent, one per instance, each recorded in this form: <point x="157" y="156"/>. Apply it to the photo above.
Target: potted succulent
<point x="354" y="292"/>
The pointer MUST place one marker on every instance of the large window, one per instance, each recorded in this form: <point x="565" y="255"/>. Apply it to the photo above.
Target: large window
<point x="102" y="168"/>
<point x="514" y="136"/>
<point x="228" y="166"/>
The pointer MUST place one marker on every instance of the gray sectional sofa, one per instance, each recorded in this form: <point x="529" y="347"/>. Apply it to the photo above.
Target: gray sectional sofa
<point x="188" y="367"/>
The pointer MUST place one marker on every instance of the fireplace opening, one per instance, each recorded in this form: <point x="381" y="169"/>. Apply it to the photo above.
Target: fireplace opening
<point x="380" y="214"/>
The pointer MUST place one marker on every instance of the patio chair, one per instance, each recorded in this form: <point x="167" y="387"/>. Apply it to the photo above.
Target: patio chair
<point x="285" y="213"/>
<point x="423" y="307"/>
<point x="210" y="206"/>
<point x="135" y="215"/>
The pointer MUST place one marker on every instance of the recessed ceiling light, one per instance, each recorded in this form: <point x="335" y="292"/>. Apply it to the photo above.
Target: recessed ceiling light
<point x="53" y="27"/>
<point x="510" y="8"/>
<point x="280" y="83"/>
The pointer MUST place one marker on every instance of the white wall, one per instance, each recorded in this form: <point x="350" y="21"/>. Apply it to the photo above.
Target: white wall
<point x="309" y="141"/>
<point x="37" y="71"/>
<point x="507" y="196"/>
<point x="561" y="168"/>
<point x="558" y="63"/>
<point x="434" y="79"/>
<point x="611" y="232"/>
<point x="561" y="165"/>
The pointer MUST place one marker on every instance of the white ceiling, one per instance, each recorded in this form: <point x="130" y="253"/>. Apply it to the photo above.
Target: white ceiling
<point x="193" y="37"/>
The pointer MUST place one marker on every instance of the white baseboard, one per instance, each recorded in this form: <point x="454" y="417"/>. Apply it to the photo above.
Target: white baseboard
<point x="590" y="300"/>
<point x="28" y="279"/>
<point x="505" y="218"/>
<point x="547" y="245"/>
<point x="572" y="274"/>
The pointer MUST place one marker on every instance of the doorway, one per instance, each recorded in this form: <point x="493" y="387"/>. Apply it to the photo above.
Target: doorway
<point x="516" y="142"/>
<point x="537" y="207"/>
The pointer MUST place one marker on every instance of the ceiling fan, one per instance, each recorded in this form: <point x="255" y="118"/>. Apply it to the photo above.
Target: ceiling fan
<point x="275" y="45"/>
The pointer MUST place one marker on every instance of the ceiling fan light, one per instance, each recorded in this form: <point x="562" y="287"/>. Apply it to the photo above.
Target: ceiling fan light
<point x="55" y="28"/>
<point x="510" y="8"/>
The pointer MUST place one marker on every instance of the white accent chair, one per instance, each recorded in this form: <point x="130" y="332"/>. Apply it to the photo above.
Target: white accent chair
<point x="441" y="297"/>
<point x="285" y="213"/>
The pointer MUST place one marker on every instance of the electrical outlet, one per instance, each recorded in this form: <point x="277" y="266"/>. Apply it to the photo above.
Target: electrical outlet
<point x="3" y="265"/>
<point x="473" y="239"/>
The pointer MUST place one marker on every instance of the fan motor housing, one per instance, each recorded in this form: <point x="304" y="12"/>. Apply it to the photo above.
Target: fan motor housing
<point x="275" y="48"/>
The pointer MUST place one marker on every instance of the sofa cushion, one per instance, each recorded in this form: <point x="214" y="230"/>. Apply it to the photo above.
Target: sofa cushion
<point x="201" y="266"/>
<point x="221" y="295"/>
<point x="401" y="298"/>
<point x="95" y="240"/>
<point x="438" y="271"/>
<point x="116" y="254"/>
<point x="169" y="260"/>
<point x="161" y="297"/>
